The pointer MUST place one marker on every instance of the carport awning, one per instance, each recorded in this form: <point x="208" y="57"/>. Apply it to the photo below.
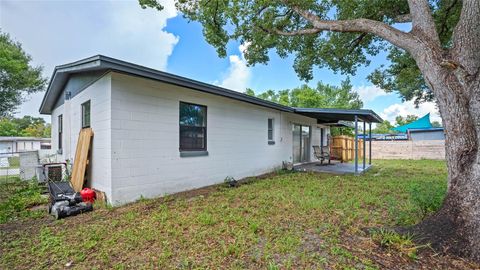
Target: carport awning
<point x="335" y="115"/>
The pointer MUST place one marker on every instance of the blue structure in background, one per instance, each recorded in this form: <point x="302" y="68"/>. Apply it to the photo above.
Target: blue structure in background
<point x="418" y="130"/>
<point x="421" y="123"/>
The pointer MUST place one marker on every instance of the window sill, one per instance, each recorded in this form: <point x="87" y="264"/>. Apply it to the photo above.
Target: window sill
<point x="271" y="142"/>
<point x="193" y="153"/>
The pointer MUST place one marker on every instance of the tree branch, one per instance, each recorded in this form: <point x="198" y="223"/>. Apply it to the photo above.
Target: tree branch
<point x="308" y="31"/>
<point x="398" y="38"/>
<point x="422" y="21"/>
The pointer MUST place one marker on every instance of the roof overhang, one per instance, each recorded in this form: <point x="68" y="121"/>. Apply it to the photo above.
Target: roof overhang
<point x="62" y="73"/>
<point x="334" y="115"/>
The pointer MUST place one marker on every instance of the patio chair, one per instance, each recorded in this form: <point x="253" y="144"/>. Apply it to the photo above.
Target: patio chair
<point x="321" y="153"/>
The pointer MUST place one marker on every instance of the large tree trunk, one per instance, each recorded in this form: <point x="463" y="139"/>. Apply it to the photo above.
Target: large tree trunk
<point x="453" y="74"/>
<point x="456" y="226"/>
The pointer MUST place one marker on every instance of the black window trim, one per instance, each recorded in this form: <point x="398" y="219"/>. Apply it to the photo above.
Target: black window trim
<point x="89" y="114"/>
<point x="60" y="132"/>
<point x="272" y="140"/>
<point x="193" y="152"/>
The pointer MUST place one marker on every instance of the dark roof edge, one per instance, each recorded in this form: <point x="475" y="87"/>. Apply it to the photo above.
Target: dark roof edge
<point x="359" y="112"/>
<point x="108" y="63"/>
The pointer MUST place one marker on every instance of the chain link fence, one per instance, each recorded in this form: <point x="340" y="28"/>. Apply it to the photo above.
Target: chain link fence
<point x="9" y="168"/>
<point x="40" y="166"/>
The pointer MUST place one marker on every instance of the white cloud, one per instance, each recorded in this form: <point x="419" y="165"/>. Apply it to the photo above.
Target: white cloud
<point x="140" y="34"/>
<point x="238" y="74"/>
<point x="58" y="32"/>
<point x="407" y="108"/>
<point x="370" y="92"/>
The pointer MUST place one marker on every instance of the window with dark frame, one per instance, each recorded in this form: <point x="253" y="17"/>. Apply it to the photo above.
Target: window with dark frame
<point x="270" y="129"/>
<point x="60" y="131"/>
<point x="86" y="114"/>
<point x="193" y="127"/>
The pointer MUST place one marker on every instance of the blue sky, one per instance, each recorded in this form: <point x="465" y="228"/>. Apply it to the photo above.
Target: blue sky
<point x="58" y="32"/>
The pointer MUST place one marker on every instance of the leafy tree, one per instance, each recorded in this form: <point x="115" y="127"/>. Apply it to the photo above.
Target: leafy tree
<point x="17" y="77"/>
<point x="384" y="128"/>
<point x="8" y="128"/>
<point x="27" y="121"/>
<point x="400" y="120"/>
<point x="322" y="96"/>
<point x="26" y="126"/>
<point x="37" y="130"/>
<point x="439" y="58"/>
<point x="436" y="124"/>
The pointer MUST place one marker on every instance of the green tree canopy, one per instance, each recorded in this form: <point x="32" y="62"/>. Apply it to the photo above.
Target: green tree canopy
<point x="322" y="96"/>
<point x="383" y="128"/>
<point x="26" y="126"/>
<point x="17" y="76"/>
<point x="282" y="25"/>
<point x="400" y="120"/>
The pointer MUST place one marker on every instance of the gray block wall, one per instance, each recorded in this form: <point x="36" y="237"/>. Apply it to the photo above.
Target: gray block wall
<point x="28" y="163"/>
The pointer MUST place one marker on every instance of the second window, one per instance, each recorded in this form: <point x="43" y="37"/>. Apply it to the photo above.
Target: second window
<point x="270" y="130"/>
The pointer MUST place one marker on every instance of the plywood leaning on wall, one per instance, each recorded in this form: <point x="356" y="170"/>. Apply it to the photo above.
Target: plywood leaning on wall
<point x="81" y="160"/>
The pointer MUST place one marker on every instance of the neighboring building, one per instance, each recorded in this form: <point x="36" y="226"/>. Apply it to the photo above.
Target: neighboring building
<point x="423" y="134"/>
<point x="421" y="130"/>
<point x="22" y="144"/>
<point x="156" y="133"/>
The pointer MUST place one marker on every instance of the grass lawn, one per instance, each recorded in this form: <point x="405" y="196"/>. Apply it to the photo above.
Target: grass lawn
<point x="283" y="221"/>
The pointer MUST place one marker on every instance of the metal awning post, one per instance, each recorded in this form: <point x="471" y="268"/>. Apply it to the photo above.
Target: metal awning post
<point x="370" y="143"/>
<point x="356" y="144"/>
<point x="364" y="143"/>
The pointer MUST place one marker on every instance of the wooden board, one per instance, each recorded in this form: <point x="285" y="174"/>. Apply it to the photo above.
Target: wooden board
<point x="100" y="196"/>
<point x="81" y="158"/>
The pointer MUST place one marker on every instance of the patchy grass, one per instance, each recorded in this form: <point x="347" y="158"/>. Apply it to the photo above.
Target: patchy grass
<point x="283" y="221"/>
<point x="17" y="198"/>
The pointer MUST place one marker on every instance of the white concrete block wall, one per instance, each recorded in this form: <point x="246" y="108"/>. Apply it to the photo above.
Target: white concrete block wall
<point x="99" y="94"/>
<point x="27" y="146"/>
<point x="145" y="139"/>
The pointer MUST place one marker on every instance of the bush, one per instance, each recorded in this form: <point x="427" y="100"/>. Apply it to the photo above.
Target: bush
<point x="428" y="196"/>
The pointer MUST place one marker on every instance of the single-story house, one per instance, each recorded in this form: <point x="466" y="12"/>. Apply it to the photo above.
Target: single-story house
<point x="9" y="145"/>
<point x="156" y="133"/>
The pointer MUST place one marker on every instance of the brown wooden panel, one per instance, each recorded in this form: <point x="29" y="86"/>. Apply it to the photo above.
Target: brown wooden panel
<point x="81" y="158"/>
